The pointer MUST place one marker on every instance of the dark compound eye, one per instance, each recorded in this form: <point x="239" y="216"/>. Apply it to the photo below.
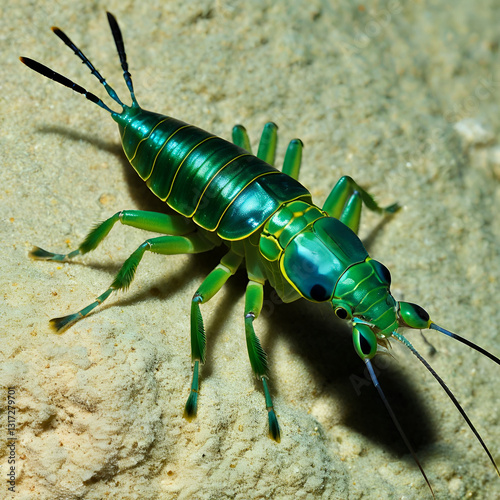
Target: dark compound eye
<point x="421" y="312"/>
<point x="365" y="346"/>
<point x="318" y="293"/>
<point x="341" y="313"/>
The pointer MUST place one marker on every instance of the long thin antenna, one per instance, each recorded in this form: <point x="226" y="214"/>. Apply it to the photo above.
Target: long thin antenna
<point x="408" y="344"/>
<point x="468" y="343"/>
<point x="396" y="421"/>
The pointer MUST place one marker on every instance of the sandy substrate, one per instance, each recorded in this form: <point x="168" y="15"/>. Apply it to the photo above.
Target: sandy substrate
<point x="404" y="99"/>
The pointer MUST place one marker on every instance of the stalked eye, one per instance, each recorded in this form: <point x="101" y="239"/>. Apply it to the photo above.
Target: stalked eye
<point x="382" y="271"/>
<point x="414" y="316"/>
<point x="365" y="341"/>
<point x="341" y="313"/>
<point x="318" y="293"/>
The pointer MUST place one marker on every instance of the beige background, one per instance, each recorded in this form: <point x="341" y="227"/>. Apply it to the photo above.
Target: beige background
<point x="404" y="98"/>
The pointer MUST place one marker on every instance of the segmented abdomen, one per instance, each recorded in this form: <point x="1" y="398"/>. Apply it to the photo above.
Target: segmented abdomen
<point x="219" y="185"/>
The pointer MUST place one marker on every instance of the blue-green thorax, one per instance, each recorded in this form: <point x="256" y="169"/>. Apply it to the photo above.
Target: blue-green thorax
<point x="327" y="262"/>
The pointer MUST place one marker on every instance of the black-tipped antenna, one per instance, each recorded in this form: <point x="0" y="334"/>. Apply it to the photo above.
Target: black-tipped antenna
<point x="396" y="421"/>
<point x="57" y="77"/>
<point x="407" y="343"/>
<point x="468" y="343"/>
<point x="120" y="47"/>
<point x="65" y="38"/>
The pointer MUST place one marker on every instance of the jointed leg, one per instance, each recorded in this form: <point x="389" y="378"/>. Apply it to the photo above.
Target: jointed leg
<point x="208" y="288"/>
<point x="293" y="158"/>
<point x="267" y="144"/>
<point x="267" y="148"/>
<point x="254" y="298"/>
<point x="241" y="139"/>
<point x="167" y="245"/>
<point x="151" y="221"/>
<point x="345" y="200"/>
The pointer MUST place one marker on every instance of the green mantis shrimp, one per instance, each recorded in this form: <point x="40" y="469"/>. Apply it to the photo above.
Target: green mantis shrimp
<point x="224" y="195"/>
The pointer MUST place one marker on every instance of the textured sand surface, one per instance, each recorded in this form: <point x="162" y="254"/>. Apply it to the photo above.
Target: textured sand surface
<point x="404" y="98"/>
